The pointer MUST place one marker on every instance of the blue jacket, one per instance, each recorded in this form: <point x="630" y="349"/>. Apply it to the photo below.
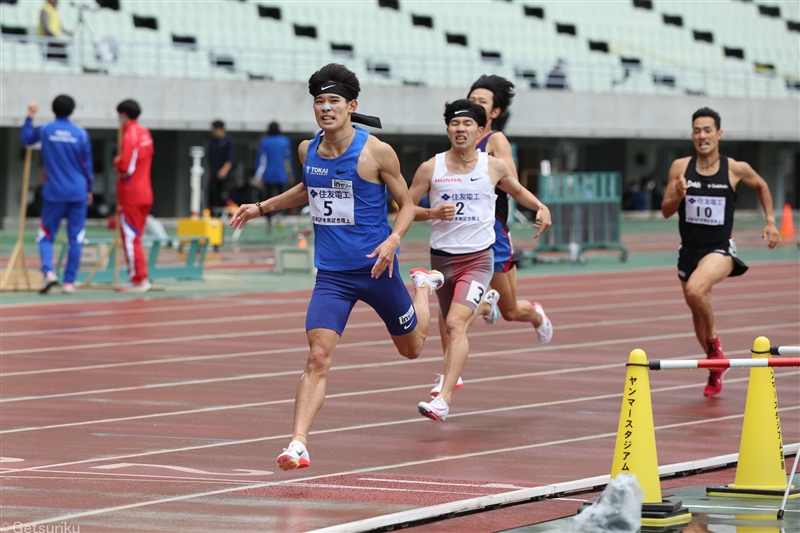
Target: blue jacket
<point x="67" y="156"/>
<point x="274" y="159"/>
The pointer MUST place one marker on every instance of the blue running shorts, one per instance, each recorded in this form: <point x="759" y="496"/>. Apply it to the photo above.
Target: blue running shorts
<point x="335" y="294"/>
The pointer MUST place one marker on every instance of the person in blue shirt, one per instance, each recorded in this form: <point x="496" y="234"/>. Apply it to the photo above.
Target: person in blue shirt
<point x="274" y="165"/>
<point x="346" y="172"/>
<point x="67" y="191"/>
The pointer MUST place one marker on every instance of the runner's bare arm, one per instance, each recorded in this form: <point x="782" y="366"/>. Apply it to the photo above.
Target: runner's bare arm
<point x="676" y="188"/>
<point x="389" y="170"/>
<point x="744" y="173"/>
<point x="500" y="148"/>
<point x="508" y="182"/>
<point x="422" y="184"/>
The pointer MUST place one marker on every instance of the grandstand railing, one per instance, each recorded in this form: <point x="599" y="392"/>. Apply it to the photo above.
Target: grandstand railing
<point x="25" y="53"/>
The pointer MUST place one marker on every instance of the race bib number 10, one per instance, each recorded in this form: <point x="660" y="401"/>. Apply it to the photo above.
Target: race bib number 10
<point x="707" y="210"/>
<point x="331" y="207"/>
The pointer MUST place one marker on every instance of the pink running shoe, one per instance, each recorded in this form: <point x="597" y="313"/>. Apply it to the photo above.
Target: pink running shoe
<point x="438" y="387"/>
<point x="437" y="409"/>
<point x="295" y="456"/>
<point x="545" y="331"/>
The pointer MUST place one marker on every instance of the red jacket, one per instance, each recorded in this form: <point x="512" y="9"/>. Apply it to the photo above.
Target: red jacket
<point x="134" y="186"/>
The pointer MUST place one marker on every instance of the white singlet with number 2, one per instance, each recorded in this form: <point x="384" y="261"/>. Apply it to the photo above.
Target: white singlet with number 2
<point x="331" y="207"/>
<point x="707" y="210"/>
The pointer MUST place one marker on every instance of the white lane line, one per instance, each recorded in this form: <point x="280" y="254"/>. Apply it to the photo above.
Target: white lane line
<point x="389" y="521"/>
<point x="374" y="425"/>
<point x="359" y="309"/>
<point x="108" y="476"/>
<point x="160" y="324"/>
<point x="447" y="484"/>
<point x="184" y="497"/>
<point x="214" y="320"/>
<point x="62" y="348"/>
<point x="527" y="349"/>
<point x="337" y="395"/>
<point x="329" y="396"/>
<point x="246" y="296"/>
<point x="551" y="310"/>
<point x="201" y="304"/>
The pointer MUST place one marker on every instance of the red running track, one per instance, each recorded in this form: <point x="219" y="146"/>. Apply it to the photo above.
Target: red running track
<point x="167" y="415"/>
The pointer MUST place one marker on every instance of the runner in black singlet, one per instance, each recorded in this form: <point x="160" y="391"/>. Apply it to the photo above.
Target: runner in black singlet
<point x="702" y="190"/>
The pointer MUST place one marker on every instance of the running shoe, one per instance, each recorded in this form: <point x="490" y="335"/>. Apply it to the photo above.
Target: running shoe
<point x="494" y="313"/>
<point x="68" y="288"/>
<point x="545" y="331"/>
<point x="714" y="384"/>
<point x="50" y="280"/>
<point x="438" y="387"/>
<point x="421" y="276"/>
<point x="295" y="456"/>
<point x="436" y="409"/>
<point x="144" y="286"/>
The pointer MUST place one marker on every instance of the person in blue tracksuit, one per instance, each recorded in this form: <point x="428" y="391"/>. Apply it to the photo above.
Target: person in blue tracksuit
<point x="274" y="164"/>
<point x="68" y="179"/>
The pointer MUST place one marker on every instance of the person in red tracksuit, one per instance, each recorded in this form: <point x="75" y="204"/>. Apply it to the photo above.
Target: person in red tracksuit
<point x="134" y="192"/>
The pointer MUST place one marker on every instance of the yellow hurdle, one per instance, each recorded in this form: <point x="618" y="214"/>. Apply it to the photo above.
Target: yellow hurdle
<point x="635" y="450"/>
<point x="761" y="471"/>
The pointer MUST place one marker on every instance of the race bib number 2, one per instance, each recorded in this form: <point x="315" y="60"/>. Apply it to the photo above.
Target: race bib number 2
<point x="331" y="207"/>
<point x="706" y="210"/>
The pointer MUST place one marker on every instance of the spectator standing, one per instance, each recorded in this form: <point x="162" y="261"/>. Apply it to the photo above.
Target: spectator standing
<point x="274" y="164"/>
<point x="134" y="192"/>
<point x="50" y="20"/>
<point x="557" y="79"/>
<point x="67" y="190"/>
<point x="220" y="160"/>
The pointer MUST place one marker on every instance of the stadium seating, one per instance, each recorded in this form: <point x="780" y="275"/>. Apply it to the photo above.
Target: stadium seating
<point x="734" y="48"/>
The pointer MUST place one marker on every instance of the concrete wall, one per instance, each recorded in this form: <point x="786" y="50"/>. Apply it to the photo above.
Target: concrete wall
<point x="176" y="104"/>
<point x="609" y="130"/>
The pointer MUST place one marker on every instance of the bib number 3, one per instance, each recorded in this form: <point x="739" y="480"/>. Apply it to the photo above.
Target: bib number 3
<point x="476" y="292"/>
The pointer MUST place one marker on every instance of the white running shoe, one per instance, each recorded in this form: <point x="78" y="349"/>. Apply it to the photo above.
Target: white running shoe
<point x="545" y="331"/>
<point x="49" y="281"/>
<point x="421" y="276"/>
<point x="437" y="409"/>
<point x="295" y="456"/>
<point x="142" y="287"/>
<point x="438" y="387"/>
<point x="68" y="288"/>
<point x="494" y="313"/>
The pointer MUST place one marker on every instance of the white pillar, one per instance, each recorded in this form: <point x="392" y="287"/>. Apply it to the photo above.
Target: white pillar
<point x="197" y="172"/>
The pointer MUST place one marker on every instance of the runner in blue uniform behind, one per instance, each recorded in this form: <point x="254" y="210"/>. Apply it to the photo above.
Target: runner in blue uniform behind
<point x="346" y="172"/>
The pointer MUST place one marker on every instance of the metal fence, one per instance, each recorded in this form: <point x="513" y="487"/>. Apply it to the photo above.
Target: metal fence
<point x="585" y="210"/>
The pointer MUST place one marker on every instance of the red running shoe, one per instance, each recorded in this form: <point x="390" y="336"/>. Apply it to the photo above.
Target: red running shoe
<point x="714" y="351"/>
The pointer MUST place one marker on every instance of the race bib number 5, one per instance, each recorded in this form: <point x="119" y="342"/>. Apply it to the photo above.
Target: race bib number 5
<point x="331" y="207"/>
<point x="706" y="210"/>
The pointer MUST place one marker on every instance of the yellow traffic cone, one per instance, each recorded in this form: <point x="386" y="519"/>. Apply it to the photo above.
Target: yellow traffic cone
<point x="743" y="527"/>
<point x="761" y="471"/>
<point x="635" y="450"/>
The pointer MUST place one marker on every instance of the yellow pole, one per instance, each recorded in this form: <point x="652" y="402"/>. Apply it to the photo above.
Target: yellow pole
<point x="19" y="248"/>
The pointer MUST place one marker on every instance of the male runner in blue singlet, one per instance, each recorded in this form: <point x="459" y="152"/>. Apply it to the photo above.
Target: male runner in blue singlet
<point x="346" y="172"/>
<point x="702" y="189"/>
